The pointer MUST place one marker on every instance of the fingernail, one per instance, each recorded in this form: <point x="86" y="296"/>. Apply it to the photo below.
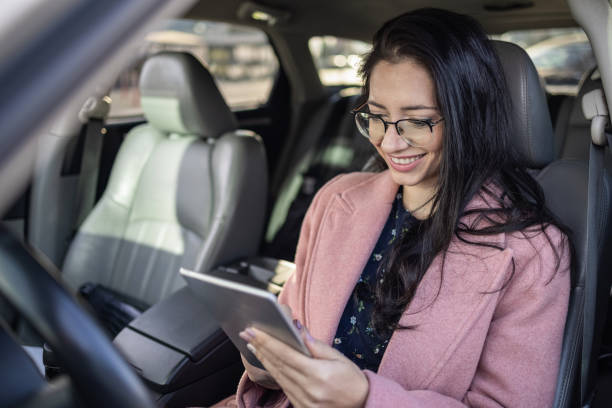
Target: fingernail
<point x="297" y="324"/>
<point x="244" y="335"/>
<point x="309" y="338"/>
<point x="251" y="348"/>
<point x="250" y="332"/>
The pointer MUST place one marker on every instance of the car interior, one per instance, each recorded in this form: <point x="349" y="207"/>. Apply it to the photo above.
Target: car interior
<point x="204" y="148"/>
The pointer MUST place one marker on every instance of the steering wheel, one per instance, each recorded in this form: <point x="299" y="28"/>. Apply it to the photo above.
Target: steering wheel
<point x="99" y="376"/>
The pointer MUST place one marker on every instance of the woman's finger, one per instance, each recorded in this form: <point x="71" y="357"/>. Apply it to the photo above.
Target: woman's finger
<point x="291" y="381"/>
<point x="294" y="384"/>
<point x="276" y="356"/>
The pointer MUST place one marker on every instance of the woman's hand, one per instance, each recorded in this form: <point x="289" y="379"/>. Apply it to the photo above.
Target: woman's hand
<point x="326" y="379"/>
<point x="256" y="374"/>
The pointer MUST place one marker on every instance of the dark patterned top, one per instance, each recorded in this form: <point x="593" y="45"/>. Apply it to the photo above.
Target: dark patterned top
<point x="355" y="336"/>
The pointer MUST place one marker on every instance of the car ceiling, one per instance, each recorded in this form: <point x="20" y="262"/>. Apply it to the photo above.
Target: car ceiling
<point x="317" y="17"/>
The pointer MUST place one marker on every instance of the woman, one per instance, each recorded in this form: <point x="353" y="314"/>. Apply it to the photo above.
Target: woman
<point x="443" y="281"/>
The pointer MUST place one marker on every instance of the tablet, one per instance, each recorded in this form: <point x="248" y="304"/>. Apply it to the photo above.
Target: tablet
<point x="236" y="306"/>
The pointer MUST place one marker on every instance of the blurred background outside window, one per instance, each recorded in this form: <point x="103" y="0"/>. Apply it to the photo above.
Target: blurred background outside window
<point x="244" y="64"/>
<point x="240" y="59"/>
<point x="561" y="56"/>
<point x="338" y="59"/>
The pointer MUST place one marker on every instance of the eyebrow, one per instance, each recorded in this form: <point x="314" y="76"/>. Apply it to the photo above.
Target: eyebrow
<point x="404" y="108"/>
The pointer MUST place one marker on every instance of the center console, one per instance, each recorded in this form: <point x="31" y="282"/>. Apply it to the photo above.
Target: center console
<point x="181" y="353"/>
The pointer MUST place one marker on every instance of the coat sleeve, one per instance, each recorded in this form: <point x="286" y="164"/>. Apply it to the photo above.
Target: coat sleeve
<point x="249" y="393"/>
<point x="519" y="363"/>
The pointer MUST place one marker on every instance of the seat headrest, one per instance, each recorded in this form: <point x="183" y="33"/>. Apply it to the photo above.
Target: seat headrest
<point x="590" y="81"/>
<point x="532" y="128"/>
<point x="179" y="95"/>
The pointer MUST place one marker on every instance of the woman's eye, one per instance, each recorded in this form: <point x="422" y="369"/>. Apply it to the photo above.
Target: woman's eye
<point x="419" y="123"/>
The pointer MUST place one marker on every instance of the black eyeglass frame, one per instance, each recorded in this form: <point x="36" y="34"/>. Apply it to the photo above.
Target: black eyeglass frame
<point x="429" y="122"/>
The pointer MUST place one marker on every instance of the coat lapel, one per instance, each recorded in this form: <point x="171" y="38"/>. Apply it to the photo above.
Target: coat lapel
<point x="350" y="229"/>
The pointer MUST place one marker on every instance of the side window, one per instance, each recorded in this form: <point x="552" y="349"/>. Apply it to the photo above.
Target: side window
<point x="338" y="59"/>
<point x="241" y="60"/>
<point x="561" y="56"/>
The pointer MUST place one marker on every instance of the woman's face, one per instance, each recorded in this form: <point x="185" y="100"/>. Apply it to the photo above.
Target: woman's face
<point x="404" y="90"/>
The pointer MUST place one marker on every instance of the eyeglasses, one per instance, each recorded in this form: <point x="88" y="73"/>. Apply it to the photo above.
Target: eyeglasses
<point x="415" y="132"/>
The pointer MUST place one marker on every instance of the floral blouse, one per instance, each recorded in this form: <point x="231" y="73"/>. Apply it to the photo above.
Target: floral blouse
<point x="355" y="337"/>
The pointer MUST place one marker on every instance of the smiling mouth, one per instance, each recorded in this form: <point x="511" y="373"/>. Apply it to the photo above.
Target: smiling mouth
<point x="406" y="160"/>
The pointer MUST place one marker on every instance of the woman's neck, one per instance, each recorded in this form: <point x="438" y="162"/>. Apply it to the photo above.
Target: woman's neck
<point x="419" y="199"/>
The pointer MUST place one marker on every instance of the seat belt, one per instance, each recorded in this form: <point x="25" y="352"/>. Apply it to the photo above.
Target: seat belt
<point x="92" y="114"/>
<point x="595" y="109"/>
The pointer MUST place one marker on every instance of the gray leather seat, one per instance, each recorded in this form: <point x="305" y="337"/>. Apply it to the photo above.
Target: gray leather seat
<point x="187" y="189"/>
<point x="565" y="182"/>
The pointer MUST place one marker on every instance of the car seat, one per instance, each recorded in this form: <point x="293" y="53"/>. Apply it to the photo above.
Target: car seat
<point x="329" y="145"/>
<point x="187" y="189"/>
<point x="564" y="182"/>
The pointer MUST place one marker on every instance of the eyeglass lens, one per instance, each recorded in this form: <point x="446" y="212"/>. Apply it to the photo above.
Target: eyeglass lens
<point x="414" y="133"/>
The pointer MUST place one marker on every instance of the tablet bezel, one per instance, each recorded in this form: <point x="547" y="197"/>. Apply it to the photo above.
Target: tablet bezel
<point x="236" y="306"/>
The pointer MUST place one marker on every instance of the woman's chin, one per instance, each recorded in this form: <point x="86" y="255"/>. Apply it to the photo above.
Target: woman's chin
<point x="403" y="178"/>
<point x="418" y="179"/>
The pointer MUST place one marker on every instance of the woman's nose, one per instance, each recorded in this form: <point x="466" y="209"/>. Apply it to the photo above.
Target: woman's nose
<point x="392" y="141"/>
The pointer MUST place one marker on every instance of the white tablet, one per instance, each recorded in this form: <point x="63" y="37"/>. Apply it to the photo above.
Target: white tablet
<point x="236" y="306"/>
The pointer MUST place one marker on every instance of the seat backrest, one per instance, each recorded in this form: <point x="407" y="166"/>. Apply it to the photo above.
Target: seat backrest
<point x="329" y="145"/>
<point x="564" y="182"/>
<point x="187" y="189"/>
<point x="566" y="201"/>
<point x="572" y="129"/>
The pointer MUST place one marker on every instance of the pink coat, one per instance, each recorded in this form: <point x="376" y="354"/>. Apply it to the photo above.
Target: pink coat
<point x="474" y="345"/>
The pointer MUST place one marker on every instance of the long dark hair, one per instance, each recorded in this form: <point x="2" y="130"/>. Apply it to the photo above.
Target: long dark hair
<point x="477" y="157"/>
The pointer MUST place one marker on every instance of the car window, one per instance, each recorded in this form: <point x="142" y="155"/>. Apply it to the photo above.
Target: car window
<point x="338" y="59"/>
<point x="241" y="60"/>
<point x="561" y="56"/>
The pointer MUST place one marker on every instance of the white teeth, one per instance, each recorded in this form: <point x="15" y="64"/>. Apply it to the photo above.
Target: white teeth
<point x="397" y="160"/>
